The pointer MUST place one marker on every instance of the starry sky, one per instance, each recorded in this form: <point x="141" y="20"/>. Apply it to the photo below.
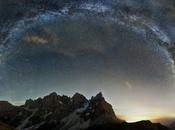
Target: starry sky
<point x="110" y="46"/>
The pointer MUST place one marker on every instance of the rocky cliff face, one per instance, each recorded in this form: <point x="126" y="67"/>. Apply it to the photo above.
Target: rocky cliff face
<point x="12" y="115"/>
<point x="60" y="112"/>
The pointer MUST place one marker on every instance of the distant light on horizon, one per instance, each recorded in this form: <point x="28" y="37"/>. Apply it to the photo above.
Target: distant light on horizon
<point x="138" y="114"/>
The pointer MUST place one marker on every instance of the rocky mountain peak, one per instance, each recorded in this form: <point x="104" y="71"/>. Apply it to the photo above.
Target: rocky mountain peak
<point x="103" y="111"/>
<point x="99" y="102"/>
<point x="6" y="103"/>
<point x="78" y="99"/>
<point x="52" y="95"/>
<point x="77" y="95"/>
<point x="51" y="98"/>
<point x="28" y="102"/>
<point x="99" y="95"/>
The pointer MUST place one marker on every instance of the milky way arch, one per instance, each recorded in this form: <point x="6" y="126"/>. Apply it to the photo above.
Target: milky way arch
<point x="90" y="40"/>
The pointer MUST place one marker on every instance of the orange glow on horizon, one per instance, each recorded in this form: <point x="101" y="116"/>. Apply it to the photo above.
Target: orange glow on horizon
<point x="154" y="117"/>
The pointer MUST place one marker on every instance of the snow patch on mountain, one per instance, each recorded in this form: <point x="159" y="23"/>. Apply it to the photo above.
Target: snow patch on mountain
<point x="86" y="105"/>
<point x="26" y="121"/>
<point x="74" y="121"/>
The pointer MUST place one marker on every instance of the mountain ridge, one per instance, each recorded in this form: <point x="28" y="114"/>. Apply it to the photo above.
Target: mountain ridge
<point x="55" y="112"/>
<point x="59" y="111"/>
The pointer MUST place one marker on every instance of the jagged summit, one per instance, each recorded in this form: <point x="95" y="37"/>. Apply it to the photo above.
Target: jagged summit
<point x="78" y="95"/>
<point x="53" y="99"/>
<point x="53" y="94"/>
<point x="62" y="112"/>
<point x="99" y="95"/>
<point x="78" y="99"/>
<point x="55" y="112"/>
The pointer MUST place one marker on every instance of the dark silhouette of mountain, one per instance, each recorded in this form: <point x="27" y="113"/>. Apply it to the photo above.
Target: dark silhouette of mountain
<point x="58" y="112"/>
<point x="55" y="112"/>
<point x="12" y="115"/>
<point x="142" y="125"/>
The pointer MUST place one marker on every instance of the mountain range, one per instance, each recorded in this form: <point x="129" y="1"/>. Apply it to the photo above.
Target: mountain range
<point x="55" y="112"/>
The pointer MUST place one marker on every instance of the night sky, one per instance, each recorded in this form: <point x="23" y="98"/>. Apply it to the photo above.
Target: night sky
<point x="116" y="47"/>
